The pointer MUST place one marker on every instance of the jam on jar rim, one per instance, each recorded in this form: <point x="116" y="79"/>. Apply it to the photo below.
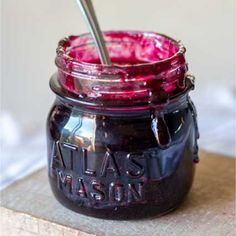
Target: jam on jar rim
<point x="148" y="68"/>
<point x="66" y="44"/>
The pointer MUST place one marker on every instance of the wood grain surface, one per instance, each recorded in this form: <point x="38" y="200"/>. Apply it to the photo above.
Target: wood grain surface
<point x="28" y="208"/>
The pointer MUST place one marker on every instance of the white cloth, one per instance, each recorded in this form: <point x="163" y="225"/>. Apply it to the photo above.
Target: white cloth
<point x="20" y="154"/>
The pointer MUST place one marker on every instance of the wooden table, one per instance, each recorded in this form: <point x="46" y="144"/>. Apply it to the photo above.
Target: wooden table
<point x="28" y="208"/>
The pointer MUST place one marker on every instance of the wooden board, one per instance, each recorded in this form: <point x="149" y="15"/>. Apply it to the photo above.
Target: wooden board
<point x="28" y="208"/>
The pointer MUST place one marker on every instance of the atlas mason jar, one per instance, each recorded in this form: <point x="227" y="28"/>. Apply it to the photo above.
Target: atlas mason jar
<point x="122" y="139"/>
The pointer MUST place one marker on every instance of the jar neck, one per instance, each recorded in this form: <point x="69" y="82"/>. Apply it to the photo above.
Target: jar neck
<point x="148" y="69"/>
<point x="173" y="103"/>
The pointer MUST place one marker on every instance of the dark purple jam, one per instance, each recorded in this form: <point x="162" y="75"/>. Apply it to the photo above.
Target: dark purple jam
<point x="122" y="140"/>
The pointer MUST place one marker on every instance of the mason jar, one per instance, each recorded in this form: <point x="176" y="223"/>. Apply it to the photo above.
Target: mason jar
<point x="122" y="138"/>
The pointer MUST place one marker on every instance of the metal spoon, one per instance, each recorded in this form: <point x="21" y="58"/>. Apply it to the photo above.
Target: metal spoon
<point x="88" y="12"/>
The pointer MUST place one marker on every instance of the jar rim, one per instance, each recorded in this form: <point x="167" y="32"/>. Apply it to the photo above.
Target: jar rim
<point x="65" y="45"/>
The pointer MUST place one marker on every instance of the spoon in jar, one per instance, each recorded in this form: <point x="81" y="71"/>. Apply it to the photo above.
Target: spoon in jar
<point x="88" y="12"/>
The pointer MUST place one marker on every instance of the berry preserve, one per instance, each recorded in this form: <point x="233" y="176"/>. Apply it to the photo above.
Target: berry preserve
<point x="122" y="139"/>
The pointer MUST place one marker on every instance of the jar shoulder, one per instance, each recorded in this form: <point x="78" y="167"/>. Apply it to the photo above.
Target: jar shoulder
<point x="72" y="124"/>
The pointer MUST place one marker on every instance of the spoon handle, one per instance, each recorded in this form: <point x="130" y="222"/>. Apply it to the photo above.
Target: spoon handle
<point x="87" y="9"/>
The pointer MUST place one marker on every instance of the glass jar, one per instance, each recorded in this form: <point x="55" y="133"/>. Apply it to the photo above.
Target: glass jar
<point x="122" y="139"/>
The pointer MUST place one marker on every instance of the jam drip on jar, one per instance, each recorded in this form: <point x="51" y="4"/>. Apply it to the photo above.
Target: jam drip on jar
<point x="196" y="130"/>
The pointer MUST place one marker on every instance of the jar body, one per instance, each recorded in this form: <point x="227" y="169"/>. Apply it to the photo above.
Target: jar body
<point x="109" y="164"/>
